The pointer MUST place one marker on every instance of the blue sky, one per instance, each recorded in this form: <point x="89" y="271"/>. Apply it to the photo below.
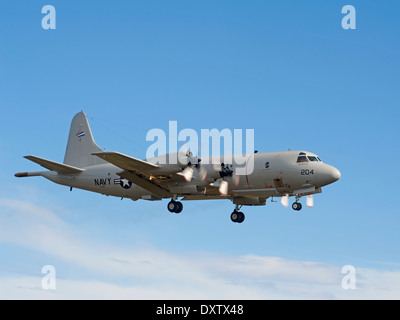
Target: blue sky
<point x="286" y="69"/>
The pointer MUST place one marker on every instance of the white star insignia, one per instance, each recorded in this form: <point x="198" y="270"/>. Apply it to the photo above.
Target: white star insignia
<point x="125" y="183"/>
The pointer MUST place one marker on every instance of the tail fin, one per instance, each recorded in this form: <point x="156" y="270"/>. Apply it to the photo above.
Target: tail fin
<point x="81" y="144"/>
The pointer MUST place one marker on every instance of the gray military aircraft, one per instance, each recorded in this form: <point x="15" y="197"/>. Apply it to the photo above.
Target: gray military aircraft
<point x="275" y="174"/>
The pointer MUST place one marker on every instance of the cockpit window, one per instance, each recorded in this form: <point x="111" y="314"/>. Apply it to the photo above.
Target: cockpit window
<point x="312" y="158"/>
<point x="302" y="159"/>
<point x="319" y="159"/>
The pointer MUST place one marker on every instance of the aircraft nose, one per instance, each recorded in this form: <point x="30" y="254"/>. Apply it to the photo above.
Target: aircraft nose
<point x="334" y="174"/>
<point x="329" y="174"/>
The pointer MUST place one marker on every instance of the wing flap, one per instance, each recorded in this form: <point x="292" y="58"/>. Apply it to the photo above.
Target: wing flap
<point x="55" y="166"/>
<point x="135" y="170"/>
<point x="145" y="183"/>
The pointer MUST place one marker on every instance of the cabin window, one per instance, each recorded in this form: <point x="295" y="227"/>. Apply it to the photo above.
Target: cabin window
<point x="301" y="159"/>
<point x="267" y="165"/>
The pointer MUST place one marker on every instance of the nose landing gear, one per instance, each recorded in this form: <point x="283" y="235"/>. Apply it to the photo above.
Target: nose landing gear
<point x="297" y="205"/>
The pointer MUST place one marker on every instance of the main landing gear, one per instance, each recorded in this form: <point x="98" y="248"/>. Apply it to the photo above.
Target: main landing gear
<point x="175" y="206"/>
<point x="237" y="216"/>
<point x="297" y="205"/>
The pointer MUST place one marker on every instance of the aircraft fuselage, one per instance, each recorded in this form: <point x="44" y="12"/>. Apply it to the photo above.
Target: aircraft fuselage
<point x="274" y="174"/>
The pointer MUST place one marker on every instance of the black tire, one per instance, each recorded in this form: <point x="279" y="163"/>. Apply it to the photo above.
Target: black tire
<point x="178" y="207"/>
<point x="241" y="217"/>
<point x="296" y="206"/>
<point x="172" y="206"/>
<point x="237" y="216"/>
<point x="234" y="216"/>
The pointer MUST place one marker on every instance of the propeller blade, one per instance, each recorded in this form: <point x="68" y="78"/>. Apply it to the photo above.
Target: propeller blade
<point x="235" y="180"/>
<point x="223" y="188"/>
<point x="310" y="201"/>
<point x="188" y="174"/>
<point x="217" y="166"/>
<point x="202" y="173"/>
<point x="285" y="200"/>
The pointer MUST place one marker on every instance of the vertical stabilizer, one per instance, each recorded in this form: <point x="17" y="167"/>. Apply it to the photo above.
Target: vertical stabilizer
<point x="81" y="144"/>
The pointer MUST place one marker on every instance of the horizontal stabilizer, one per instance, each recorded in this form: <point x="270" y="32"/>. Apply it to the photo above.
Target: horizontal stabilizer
<point x="55" y="166"/>
<point x="126" y="162"/>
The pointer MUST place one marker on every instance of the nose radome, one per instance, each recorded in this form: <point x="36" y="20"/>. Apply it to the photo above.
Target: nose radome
<point x="335" y="174"/>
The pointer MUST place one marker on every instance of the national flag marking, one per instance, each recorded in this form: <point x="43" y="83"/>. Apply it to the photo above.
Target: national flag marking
<point x="80" y="134"/>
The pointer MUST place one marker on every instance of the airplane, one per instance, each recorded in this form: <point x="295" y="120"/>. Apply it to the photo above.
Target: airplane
<point x="275" y="174"/>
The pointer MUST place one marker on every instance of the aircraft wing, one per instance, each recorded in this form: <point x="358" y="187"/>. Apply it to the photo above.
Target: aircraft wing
<point x="141" y="167"/>
<point x="55" y="166"/>
<point x="125" y="162"/>
<point x="145" y="183"/>
<point x="135" y="170"/>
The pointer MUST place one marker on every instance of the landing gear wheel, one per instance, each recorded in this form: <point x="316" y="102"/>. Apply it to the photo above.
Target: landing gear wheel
<point x="172" y="206"/>
<point x="297" y="206"/>
<point x="179" y="207"/>
<point x="237" y="216"/>
<point x="234" y="216"/>
<point x="175" y="206"/>
<point x="241" y="217"/>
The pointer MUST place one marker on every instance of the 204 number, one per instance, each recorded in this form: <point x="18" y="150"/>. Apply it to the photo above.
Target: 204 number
<point x="306" y="172"/>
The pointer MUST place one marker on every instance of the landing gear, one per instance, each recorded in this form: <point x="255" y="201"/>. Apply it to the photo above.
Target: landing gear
<point x="297" y="205"/>
<point x="237" y="216"/>
<point x="175" y="206"/>
<point x="179" y="207"/>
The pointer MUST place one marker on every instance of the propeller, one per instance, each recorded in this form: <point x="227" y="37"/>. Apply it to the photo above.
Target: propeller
<point x="188" y="173"/>
<point x="285" y="200"/>
<point x="194" y="168"/>
<point x="223" y="187"/>
<point x="227" y="178"/>
<point x="310" y="201"/>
